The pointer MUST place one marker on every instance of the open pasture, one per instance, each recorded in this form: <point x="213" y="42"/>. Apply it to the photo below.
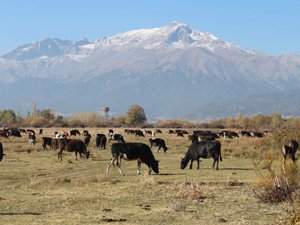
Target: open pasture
<point x="37" y="188"/>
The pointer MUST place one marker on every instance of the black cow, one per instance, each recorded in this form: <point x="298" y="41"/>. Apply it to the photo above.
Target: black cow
<point x="290" y="150"/>
<point x="202" y="149"/>
<point x="46" y="141"/>
<point x="74" y="132"/>
<point x="139" y="133"/>
<point x="1" y="152"/>
<point x="101" y="141"/>
<point x="72" y="145"/>
<point x="159" y="142"/>
<point x="41" y="131"/>
<point x="133" y="151"/>
<point x="52" y="142"/>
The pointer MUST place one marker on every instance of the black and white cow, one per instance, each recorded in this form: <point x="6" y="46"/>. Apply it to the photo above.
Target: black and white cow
<point x="117" y="137"/>
<point x="290" y="150"/>
<point x="159" y="142"/>
<point x="74" y="132"/>
<point x="32" y="138"/>
<point x="132" y="151"/>
<point x="202" y="149"/>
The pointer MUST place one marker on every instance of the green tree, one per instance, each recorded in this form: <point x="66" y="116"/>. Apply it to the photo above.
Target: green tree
<point x="8" y="116"/>
<point x="135" y="116"/>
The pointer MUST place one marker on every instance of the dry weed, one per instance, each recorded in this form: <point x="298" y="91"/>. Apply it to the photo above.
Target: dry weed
<point x="189" y="190"/>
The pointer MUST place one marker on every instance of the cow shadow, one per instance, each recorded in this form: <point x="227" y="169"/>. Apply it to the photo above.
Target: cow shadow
<point x="170" y="174"/>
<point x="236" y="168"/>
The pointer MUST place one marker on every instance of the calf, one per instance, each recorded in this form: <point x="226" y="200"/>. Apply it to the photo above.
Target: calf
<point x="1" y="152"/>
<point x="133" y="151"/>
<point x="290" y="150"/>
<point x="159" y="142"/>
<point x="202" y="149"/>
<point x="72" y="145"/>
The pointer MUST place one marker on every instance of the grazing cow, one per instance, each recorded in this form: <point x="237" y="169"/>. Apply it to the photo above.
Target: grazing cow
<point x="290" y="150"/>
<point x="179" y="134"/>
<point x="1" y="152"/>
<point x="52" y="142"/>
<point x="32" y="139"/>
<point x="101" y="141"/>
<point x="202" y="149"/>
<point x="159" y="142"/>
<point x="3" y="133"/>
<point x="171" y="132"/>
<point x="139" y="133"/>
<point x="72" y="145"/>
<point x="133" y="151"/>
<point x="117" y="137"/>
<point x="74" y="132"/>
<point x="158" y="131"/>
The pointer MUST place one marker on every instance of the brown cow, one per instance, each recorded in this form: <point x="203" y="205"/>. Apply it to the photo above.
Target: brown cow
<point x="72" y="145"/>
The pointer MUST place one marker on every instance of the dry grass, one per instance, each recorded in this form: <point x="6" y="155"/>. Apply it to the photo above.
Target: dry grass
<point x="39" y="189"/>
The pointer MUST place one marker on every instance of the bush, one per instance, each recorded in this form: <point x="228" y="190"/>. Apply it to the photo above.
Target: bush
<point x="276" y="187"/>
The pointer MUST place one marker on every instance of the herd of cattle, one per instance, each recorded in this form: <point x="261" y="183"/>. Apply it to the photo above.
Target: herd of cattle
<point x="204" y="144"/>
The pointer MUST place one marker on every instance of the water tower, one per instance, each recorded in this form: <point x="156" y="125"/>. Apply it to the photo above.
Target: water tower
<point x="106" y="112"/>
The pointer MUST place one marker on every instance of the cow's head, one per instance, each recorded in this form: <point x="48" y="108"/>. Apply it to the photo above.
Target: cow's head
<point x="155" y="166"/>
<point x="183" y="163"/>
<point x="87" y="154"/>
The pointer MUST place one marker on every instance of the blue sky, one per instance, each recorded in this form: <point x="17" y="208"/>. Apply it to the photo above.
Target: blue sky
<point x="271" y="26"/>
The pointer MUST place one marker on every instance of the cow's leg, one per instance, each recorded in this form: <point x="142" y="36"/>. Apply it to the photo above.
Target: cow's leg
<point x="191" y="165"/>
<point x="216" y="160"/>
<point x="158" y="148"/>
<point x="119" y="165"/>
<point x="139" y="167"/>
<point x="111" y="162"/>
<point x="198" y="164"/>
<point x="59" y="154"/>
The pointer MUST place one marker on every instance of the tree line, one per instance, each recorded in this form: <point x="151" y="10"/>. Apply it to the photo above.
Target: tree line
<point x="136" y="116"/>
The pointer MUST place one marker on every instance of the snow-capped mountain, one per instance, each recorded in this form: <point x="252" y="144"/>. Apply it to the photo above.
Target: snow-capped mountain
<point x="169" y="71"/>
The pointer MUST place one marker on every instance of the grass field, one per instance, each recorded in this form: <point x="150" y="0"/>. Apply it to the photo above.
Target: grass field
<point x="37" y="188"/>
